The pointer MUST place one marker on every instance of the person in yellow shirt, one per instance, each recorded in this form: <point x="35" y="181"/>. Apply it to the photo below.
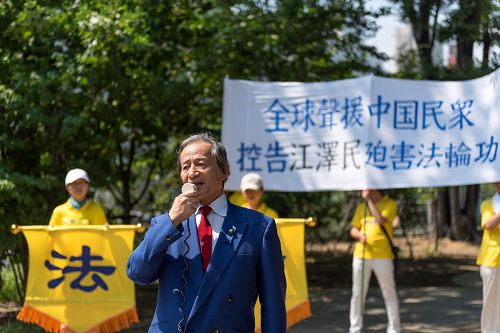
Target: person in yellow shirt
<point x="236" y="198"/>
<point x="489" y="261"/>
<point x="252" y="190"/>
<point x="78" y="210"/>
<point x="373" y="252"/>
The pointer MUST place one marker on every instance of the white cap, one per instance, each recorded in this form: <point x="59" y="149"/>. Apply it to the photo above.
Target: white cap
<point x="76" y="174"/>
<point x="251" y="181"/>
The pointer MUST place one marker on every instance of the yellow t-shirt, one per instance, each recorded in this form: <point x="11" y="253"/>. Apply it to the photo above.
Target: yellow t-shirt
<point x="266" y="210"/>
<point x="377" y="245"/>
<point x="238" y="199"/>
<point x="489" y="253"/>
<point x="66" y="215"/>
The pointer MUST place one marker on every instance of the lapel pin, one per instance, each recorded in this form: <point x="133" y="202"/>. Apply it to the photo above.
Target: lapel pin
<point x="232" y="230"/>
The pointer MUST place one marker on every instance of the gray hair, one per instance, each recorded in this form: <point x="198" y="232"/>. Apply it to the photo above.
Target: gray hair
<point x="218" y="151"/>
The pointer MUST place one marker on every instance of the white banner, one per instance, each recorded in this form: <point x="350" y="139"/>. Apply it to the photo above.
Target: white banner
<point x="369" y="132"/>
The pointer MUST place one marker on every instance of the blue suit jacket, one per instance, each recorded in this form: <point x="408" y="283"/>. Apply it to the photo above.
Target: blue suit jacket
<point x="246" y="263"/>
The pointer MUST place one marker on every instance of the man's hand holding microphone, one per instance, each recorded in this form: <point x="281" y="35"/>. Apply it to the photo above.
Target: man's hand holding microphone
<point x="185" y="204"/>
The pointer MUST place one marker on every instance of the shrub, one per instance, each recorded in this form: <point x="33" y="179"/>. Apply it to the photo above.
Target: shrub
<point x="13" y="326"/>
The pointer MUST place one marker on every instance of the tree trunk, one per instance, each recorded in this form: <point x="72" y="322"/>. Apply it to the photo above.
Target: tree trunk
<point x="463" y="217"/>
<point x="471" y="208"/>
<point x="423" y="33"/>
<point x="431" y="217"/>
<point x="442" y="212"/>
<point x="486" y="47"/>
<point x="432" y="221"/>
<point x="127" y="218"/>
<point x="464" y="53"/>
<point x="455" y="230"/>
<point x="467" y="32"/>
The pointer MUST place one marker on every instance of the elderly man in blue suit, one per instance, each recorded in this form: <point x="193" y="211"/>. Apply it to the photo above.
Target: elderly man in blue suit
<point x="212" y="258"/>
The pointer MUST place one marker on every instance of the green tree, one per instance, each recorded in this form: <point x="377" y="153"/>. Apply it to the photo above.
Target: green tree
<point x="87" y="85"/>
<point x="422" y="15"/>
<point x="472" y="22"/>
<point x="284" y="41"/>
<point x="111" y="86"/>
<point x="465" y="23"/>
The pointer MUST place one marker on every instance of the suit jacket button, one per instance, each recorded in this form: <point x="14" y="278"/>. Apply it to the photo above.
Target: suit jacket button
<point x="168" y="237"/>
<point x="229" y="298"/>
<point x="215" y="330"/>
<point x="176" y="291"/>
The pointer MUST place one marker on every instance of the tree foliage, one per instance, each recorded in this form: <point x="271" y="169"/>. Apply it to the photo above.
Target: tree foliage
<point x="112" y="86"/>
<point x="464" y="23"/>
<point x="460" y="22"/>
<point x="422" y="15"/>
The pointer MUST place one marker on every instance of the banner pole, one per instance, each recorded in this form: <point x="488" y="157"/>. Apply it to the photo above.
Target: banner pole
<point x="362" y="305"/>
<point x="15" y="229"/>
<point x="310" y="221"/>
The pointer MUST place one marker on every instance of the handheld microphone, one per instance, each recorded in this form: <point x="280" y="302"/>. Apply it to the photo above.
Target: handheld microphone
<point x="187" y="187"/>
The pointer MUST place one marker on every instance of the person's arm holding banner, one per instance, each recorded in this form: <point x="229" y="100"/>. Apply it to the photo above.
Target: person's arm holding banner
<point x="357" y="235"/>
<point x="492" y="222"/>
<point x="368" y="196"/>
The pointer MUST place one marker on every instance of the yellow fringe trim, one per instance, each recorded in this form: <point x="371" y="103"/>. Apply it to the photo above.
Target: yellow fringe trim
<point x="295" y="315"/>
<point x="49" y="324"/>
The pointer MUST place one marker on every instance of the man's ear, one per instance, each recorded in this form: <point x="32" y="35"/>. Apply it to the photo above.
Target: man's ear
<point x="224" y="177"/>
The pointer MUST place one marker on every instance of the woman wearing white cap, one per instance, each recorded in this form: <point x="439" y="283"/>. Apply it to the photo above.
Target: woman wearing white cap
<point x="252" y="188"/>
<point x="78" y="210"/>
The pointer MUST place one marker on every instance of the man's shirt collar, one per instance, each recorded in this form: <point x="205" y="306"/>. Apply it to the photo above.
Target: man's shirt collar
<point x="219" y="206"/>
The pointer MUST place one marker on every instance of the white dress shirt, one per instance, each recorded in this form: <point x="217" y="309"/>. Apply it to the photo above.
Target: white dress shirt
<point x="215" y="217"/>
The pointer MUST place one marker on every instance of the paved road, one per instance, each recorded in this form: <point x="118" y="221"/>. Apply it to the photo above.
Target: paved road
<point x="427" y="309"/>
<point x="423" y="309"/>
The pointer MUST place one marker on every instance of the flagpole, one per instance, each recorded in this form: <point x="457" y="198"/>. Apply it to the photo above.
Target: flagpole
<point x="310" y="221"/>
<point x="15" y="229"/>
<point x="362" y="310"/>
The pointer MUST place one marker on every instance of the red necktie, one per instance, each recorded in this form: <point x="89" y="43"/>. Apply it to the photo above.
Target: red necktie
<point x="205" y="236"/>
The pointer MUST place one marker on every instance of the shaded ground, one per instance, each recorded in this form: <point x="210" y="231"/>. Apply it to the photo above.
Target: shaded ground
<point x="437" y="293"/>
<point x="423" y="310"/>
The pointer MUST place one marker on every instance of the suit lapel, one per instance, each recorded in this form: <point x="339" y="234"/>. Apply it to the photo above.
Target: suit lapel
<point x="231" y="234"/>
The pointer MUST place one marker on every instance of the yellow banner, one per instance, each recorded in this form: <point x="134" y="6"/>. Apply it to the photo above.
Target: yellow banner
<point x="77" y="278"/>
<point x="291" y="234"/>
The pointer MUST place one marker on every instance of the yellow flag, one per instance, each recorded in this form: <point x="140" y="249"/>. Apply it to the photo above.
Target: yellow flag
<point x="291" y="234"/>
<point x="77" y="278"/>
